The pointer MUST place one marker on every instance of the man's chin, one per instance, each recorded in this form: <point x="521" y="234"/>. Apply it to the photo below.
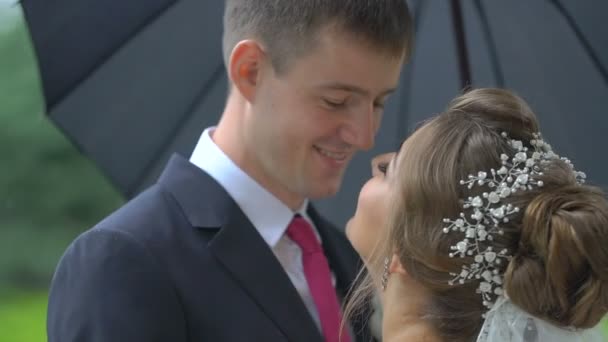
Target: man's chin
<point x="328" y="190"/>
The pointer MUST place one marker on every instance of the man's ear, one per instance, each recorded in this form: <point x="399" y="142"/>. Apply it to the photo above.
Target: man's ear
<point x="245" y="66"/>
<point x="395" y="266"/>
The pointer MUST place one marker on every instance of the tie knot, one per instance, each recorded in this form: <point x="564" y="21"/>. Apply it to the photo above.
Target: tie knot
<point x="301" y="232"/>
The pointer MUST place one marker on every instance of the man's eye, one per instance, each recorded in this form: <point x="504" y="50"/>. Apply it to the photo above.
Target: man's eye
<point x="379" y="106"/>
<point x="334" y="104"/>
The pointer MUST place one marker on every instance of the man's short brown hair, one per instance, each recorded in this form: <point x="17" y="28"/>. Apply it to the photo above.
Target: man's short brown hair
<point x="289" y="28"/>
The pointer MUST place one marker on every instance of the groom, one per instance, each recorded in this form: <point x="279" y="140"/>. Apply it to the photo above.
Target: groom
<point x="225" y="247"/>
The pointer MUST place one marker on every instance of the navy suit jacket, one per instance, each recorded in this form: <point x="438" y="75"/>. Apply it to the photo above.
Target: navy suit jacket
<point x="181" y="262"/>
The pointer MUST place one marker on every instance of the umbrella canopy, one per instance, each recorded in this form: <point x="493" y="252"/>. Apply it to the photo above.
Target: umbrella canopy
<point x="133" y="82"/>
<point x="130" y="82"/>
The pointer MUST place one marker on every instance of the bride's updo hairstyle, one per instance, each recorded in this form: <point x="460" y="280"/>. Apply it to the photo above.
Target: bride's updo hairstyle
<point x="558" y="240"/>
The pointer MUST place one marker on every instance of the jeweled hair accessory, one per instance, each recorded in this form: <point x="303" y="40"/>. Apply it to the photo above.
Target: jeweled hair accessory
<point x="517" y="173"/>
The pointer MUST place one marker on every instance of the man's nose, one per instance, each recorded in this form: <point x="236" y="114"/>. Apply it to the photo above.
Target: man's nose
<point x="360" y="130"/>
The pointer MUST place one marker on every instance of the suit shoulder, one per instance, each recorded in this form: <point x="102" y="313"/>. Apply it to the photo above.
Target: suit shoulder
<point x="150" y="223"/>
<point x="148" y="216"/>
<point x="103" y="285"/>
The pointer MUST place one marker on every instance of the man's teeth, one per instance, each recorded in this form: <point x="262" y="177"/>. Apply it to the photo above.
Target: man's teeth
<point x="333" y="155"/>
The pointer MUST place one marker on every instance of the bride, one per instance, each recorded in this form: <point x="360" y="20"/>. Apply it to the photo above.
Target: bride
<point x="477" y="231"/>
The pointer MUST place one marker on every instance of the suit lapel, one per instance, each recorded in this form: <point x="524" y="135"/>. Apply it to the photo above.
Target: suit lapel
<point x="239" y="248"/>
<point x="243" y="252"/>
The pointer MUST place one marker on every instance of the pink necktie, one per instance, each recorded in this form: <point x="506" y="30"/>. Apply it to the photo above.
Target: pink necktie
<point x="318" y="277"/>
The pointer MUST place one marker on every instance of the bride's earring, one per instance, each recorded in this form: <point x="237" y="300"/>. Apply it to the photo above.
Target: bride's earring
<point x="384" y="279"/>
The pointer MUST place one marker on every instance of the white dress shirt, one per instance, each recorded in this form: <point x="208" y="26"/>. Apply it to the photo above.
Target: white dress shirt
<point x="269" y="215"/>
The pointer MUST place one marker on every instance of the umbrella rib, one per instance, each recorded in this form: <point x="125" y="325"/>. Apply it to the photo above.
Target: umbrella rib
<point x="402" y="119"/>
<point x="461" y="45"/>
<point x="418" y="10"/>
<point x="104" y="58"/>
<point x="493" y="50"/>
<point x="582" y="39"/>
<point x="217" y="73"/>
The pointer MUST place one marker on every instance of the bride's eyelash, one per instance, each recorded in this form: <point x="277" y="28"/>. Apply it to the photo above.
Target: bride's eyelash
<point x="382" y="167"/>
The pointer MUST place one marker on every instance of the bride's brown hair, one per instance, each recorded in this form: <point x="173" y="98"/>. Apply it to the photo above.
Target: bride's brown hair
<point x="559" y="240"/>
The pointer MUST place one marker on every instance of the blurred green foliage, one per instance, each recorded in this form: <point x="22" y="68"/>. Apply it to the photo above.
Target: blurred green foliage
<point x="49" y="193"/>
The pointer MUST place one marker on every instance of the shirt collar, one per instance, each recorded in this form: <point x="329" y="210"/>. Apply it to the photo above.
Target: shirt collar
<point x="267" y="213"/>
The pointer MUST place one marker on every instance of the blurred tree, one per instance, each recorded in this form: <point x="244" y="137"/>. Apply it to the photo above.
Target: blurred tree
<point x="49" y="193"/>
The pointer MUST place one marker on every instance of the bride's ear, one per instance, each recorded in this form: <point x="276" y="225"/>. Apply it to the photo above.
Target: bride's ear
<point x="395" y="266"/>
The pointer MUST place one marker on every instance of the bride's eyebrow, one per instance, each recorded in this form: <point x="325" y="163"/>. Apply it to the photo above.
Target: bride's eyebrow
<point x="391" y="164"/>
<point x="395" y="157"/>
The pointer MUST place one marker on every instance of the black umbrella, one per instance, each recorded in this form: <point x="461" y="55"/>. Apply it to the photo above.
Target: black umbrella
<point x="132" y="82"/>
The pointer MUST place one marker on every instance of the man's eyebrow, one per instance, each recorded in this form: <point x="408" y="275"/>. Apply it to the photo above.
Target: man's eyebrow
<point x="353" y="88"/>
